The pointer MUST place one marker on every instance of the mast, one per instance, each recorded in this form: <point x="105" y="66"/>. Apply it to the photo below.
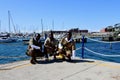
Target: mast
<point x="0" y="25"/>
<point x="63" y="26"/>
<point x="9" y="20"/>
<point x="13" y="23"/>
<point x="42" y="26"/>
<point x="53" y="24"/>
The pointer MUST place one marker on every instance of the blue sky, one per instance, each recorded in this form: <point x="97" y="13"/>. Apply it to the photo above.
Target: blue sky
<point x="66" y="14"/>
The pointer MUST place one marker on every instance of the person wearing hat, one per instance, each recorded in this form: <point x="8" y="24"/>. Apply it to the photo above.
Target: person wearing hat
<point x="35" y="48"/>
<point x="50" y="46"/>
<point x="67" y="46"/>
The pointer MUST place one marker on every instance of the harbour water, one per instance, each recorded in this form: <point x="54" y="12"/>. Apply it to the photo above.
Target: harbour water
<point x="11" y="52"/>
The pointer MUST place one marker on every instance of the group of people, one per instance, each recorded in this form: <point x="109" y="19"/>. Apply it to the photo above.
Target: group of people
<point x="52" y="47"/>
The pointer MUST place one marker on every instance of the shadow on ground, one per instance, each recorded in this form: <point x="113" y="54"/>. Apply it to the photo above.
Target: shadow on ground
<point x="60" y="60"/>
<point x="80" y="61"/>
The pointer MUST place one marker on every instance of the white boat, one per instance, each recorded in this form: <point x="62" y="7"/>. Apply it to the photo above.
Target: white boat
<point x="5" y="38"/>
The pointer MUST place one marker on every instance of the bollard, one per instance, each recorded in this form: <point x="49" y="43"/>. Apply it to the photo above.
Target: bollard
<point x="82" y="47"/>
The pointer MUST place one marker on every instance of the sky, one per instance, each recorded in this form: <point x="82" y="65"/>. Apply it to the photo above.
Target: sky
<point x="31" y="15"/>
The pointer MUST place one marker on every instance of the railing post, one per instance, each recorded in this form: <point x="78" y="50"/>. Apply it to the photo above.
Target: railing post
<point x="82" y="47"/>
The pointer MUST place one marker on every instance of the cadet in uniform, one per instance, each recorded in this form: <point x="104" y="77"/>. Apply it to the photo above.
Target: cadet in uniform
<point x="67" y="46"/>
<point x="50" y="45"/>
<point x="35" y="48"/>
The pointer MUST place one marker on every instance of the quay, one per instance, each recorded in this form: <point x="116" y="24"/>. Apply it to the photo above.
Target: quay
<point x="78" y="69"/>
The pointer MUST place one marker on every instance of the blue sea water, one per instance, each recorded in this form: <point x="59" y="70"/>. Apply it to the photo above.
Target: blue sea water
<point x="11" y="52"/>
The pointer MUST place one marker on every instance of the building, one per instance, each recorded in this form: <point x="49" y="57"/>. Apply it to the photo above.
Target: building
<point x="78" y="31"/>
<point x="103" y="30"/>
<point x="75" y="30"/>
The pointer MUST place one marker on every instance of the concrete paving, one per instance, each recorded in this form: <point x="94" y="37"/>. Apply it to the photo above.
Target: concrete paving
<point x="78" y="69"/>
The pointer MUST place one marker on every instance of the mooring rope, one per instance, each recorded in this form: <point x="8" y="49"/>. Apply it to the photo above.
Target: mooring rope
<point x="101" y="54"/>
<point x="12" y="57"/>
<point x="102" y="41"/>
<point x="78" y="48"/>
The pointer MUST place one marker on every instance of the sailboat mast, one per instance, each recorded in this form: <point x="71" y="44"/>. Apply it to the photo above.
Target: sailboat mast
<point x="53" y="24"/>
<point x="0" y="25"/>
<point x="9" y="20"/>
<point x="12" y="23"/>
<point x="42" y="26"/>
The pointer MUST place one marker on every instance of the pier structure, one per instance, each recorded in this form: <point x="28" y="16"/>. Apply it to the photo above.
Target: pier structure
<point x="79" y="69"/>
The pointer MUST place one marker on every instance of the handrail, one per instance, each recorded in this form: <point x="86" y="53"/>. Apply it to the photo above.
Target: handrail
<point x="12" y="57"/>
<point x="78" y="48"/>
<point x="101" y="54"/>
<point x="103" y="41"/>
